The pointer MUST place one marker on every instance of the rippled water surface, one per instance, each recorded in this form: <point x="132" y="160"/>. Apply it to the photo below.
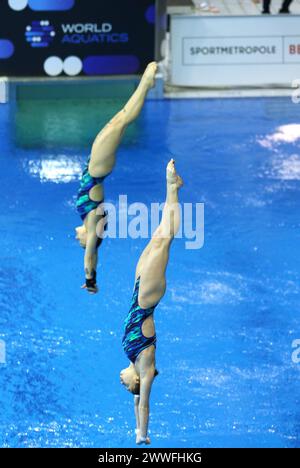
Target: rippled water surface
<point x="231" y="312"/>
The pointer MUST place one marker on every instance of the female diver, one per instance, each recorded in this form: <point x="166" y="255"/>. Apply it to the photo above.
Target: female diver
<point x="99" y="165"/>
<point x="139" y="339"/>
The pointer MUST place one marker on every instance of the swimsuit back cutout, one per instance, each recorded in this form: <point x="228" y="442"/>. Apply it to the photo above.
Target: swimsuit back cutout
<point x="134" y="342"/>
<point x="84" y="204"/>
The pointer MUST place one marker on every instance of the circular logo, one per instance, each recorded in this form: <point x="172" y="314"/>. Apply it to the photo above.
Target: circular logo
<point x="72" y="65"/>
<point x="53" y="66"/>
<point x="17" y="5"/>
<point x="40" y="33"/>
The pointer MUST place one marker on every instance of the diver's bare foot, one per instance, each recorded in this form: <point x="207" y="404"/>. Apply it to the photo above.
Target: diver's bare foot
<point x="148" y="77"/>
<point x="173" y="179"/>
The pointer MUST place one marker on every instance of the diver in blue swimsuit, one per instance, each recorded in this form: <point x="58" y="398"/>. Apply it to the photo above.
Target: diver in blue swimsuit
<point x="139" y="340"/>
<point x="99" y="165"/>
<point x="134" y="342"/>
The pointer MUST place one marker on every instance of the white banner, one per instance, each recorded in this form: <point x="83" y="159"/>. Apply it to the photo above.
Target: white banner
<point x="235" y="51"/>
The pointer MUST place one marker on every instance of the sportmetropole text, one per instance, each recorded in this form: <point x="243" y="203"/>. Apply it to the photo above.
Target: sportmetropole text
<point x="137" y="220"/>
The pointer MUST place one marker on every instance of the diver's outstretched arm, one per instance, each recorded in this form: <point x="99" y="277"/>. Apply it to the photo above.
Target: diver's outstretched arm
<point x="90" y="263"/>
<point x="146" y="367"/>
<point x="95" y="230"/>
<point x="137" y="415"/>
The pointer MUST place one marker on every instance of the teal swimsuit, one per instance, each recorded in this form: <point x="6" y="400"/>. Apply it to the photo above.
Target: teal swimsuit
<point x="134" y="342"/>
<point x="84" y="204"/>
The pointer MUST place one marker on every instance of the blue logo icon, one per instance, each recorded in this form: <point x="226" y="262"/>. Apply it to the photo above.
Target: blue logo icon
<point x="40" y="33"/>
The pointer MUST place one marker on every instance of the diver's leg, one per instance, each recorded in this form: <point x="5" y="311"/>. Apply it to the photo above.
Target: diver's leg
<point x="107" y="141"/>
<point x="153" y="268"/>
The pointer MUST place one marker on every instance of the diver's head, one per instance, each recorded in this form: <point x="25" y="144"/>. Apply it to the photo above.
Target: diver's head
<point x="130" y="379"/>
<point x="81" y="234"/>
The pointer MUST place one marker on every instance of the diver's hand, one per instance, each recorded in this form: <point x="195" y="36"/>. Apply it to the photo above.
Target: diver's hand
<point x="139" y="440"/>
<point x="90" y="289"/>
<point x="146" y="442"/>
<point x="91" y="283"/>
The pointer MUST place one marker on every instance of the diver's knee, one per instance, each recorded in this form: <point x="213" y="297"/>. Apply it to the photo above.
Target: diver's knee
<point x="119" y="120"/>
<point x="160" y="239"/>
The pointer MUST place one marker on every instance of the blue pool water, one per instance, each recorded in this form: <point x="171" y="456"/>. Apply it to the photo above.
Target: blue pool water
<point x="231" y="312"/>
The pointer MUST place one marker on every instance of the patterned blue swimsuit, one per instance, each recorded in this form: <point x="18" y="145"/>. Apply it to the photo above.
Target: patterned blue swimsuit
<point x="84" y="204"/>
<point x="134" y="342"/>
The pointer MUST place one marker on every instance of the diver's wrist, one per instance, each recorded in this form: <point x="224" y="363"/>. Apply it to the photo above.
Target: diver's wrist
<point x="91" y="282"/>
<point x="90" y="275"/>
